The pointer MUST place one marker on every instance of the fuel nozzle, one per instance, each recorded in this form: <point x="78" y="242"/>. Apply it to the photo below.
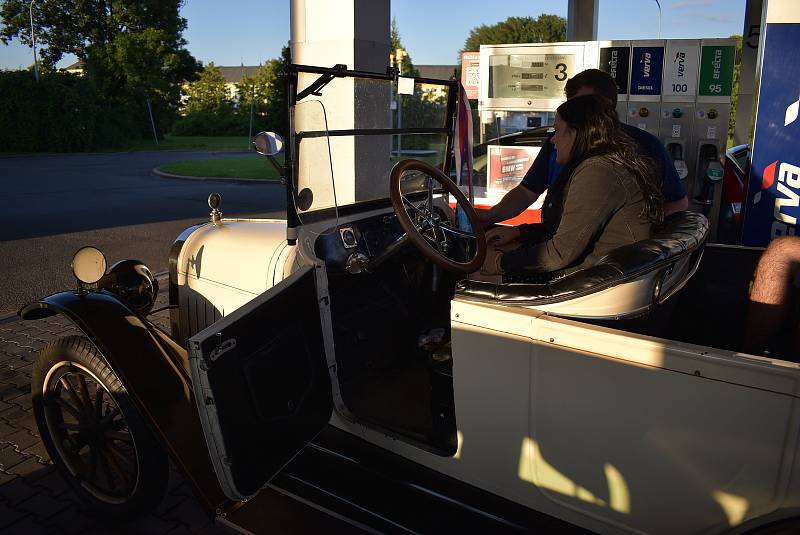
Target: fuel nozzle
<point x="712" y="171"/>
<point x="676" y="153"/>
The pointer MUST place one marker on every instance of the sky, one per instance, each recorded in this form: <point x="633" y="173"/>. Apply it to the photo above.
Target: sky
<point x="252" y="31"/>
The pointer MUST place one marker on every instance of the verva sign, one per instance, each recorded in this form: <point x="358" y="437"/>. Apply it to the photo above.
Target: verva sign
<point x="782" y="180"/>
<point x="773" y="189"/>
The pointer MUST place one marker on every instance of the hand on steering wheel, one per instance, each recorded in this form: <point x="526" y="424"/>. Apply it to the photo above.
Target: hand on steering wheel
<point x="425" y="228"/>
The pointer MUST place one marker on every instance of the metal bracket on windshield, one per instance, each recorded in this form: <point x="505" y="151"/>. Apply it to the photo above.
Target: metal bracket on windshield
<point x="319" y="83"/>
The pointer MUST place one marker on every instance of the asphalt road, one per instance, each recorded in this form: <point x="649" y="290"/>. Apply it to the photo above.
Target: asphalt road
<point x="52" y="205"/>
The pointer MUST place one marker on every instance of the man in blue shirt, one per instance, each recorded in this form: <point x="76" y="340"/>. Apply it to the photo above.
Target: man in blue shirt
<point x="544" y="170"/>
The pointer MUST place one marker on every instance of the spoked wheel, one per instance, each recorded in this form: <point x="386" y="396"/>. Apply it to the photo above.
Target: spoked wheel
<point x="93" y="432"/>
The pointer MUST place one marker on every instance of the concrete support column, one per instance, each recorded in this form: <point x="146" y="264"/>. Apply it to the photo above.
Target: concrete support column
<point x="743" y="129"/>
<point x="582" y="20"/>
<point x="355" y="33"/>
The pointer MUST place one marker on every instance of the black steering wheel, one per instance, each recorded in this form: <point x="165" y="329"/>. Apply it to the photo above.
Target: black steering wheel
<point x="423" y="225"/>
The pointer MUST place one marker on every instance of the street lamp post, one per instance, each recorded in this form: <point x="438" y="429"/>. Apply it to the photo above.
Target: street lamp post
<point x="33" y="40"/>
<point x="659" y="18"/>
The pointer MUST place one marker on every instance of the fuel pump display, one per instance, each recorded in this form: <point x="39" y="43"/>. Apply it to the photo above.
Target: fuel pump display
<point x="530" y="75"/>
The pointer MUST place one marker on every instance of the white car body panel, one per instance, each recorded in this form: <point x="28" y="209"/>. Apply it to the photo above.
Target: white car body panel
<point x="651" y="421"/>
<point x="232" y="262"/>
<point x="613" y="431"/>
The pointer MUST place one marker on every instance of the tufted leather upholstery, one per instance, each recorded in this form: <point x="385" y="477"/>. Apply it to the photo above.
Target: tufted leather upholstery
<point x="682" y="234"/>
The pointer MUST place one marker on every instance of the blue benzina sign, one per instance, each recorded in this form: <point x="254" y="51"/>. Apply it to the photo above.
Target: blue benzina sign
<point x="773" y="189"/>
<point x="646" y="70"/>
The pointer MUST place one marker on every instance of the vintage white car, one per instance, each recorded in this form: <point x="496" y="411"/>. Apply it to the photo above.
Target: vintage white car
<point x="345" y="358"/>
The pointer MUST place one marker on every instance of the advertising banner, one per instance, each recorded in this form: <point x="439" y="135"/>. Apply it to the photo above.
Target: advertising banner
<point x="716" y="71"/>
<point x="615" y="60"/>
<point x="773" y="191"/>
<point x="470" y="73"/>
<point x="646" y="70"/>
<point x="680" y="70"/>
<point x="507" y="167"/>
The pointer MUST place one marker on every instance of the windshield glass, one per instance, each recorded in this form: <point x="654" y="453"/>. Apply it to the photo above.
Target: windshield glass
<point x="368" y="126"/>
<point x="315" y="184"/>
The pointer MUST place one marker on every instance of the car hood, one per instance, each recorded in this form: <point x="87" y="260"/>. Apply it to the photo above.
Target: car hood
<point x="246" y="254"/>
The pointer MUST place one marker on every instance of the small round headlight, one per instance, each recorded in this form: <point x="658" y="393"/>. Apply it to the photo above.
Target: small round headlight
<point x="133" y="283"/>
<point x="89" y="265"/>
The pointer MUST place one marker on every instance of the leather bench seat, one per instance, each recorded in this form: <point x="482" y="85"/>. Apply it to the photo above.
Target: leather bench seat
<point x="681" y="235"/>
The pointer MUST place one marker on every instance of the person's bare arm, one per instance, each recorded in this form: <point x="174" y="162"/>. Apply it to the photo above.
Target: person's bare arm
<point x="676" y="206"/>
<point x="771" y="295"/>
<point x="511" y="205"/>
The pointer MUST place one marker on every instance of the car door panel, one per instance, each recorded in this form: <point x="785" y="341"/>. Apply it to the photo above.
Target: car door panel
<point x="261" y="383"/>
<point x="628" y="433"/>
<point x="641" y="437"/>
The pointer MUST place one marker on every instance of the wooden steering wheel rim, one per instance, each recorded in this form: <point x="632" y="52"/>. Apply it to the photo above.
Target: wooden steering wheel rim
<point x="413" y="233"/>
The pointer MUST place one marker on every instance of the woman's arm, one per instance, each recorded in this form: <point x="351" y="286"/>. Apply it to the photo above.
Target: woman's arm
<point x="594" y="194"/>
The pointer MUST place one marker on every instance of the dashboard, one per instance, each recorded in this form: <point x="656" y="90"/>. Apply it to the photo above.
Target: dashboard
<point x="349" y="247"/>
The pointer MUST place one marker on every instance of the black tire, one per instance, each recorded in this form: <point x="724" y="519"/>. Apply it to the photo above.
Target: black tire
<point x="94" y="433"/>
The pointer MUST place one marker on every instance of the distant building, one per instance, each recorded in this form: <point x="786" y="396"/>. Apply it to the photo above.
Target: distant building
<point x="438" y="72"/>
<point x="234" y="75"/>
<point x="75" y="68"/>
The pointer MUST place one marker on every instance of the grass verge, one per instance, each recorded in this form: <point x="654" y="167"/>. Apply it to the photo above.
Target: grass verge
<point x="213" y="143"/>
<point x="252" y="167"/>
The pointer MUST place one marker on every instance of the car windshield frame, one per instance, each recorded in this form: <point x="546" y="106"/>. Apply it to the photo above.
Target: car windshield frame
<point x="325" y="76"/>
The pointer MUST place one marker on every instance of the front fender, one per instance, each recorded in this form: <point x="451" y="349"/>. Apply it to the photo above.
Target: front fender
<point x="155" y="373"/>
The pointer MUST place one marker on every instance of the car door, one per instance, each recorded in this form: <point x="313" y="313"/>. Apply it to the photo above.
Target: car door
<point x="261" y="383"/>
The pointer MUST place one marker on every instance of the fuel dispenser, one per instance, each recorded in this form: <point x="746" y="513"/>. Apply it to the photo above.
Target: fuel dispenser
<point x="521" y="85"/>
<point x="679" y="92"/>
<point x="644" y="103"/>
<point x="712" y="113"/>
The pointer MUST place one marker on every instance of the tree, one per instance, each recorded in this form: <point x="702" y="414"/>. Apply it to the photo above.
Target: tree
<point x="267" y="92"/>
<point x="133" y="49"/>
<point x="543" y="29"/>
<point x="737" y="70"/>
<point x="269" y="86"/>
<point x="210" y="111"/>
<point x="208" y="93"/>
<point x="406" y="65"/>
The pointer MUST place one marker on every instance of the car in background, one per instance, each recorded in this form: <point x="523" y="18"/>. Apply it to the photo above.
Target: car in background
<point x="737" y="162"/>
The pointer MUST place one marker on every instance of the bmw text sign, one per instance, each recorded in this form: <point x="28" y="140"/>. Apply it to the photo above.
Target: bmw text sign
<point x="773" y="191"/>
<point x="646" y="70"/>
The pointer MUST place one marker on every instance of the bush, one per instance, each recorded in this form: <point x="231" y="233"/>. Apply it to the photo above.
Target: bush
<point x="206" y="123"/>
<point x="227" y="122"/>
<point x="64" y="113"/>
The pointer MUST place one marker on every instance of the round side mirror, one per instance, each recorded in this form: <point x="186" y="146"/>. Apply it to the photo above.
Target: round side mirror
<point x="89" y="265"/>
<point x="268" y="143"/>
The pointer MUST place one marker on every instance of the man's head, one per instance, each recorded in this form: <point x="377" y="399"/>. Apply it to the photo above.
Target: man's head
<point x="592" y="82"/>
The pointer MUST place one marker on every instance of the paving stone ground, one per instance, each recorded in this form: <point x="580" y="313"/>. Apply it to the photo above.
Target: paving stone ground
<point x="33" y="496"/>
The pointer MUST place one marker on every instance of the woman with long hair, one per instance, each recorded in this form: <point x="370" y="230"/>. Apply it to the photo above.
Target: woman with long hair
<point x="606" y="196"/>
